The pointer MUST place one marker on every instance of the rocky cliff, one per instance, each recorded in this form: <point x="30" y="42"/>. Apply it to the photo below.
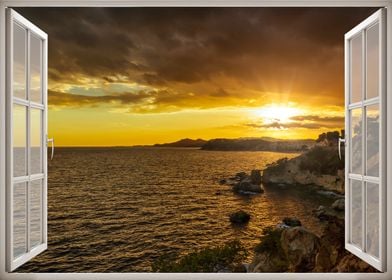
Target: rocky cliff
<point x="320" y="166"/>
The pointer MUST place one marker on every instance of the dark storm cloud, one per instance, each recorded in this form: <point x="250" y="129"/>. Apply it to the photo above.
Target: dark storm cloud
<point x="265" y="49"/>
<point x="77" y="100"/>
<point x="143" y="101"/>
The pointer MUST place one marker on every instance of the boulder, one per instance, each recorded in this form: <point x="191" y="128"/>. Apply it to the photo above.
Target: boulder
<point x="239" y="217"/>
<point x="351" y="263"/>
<point x="255" y="177"/>
<point x="292" y="222"/>
<point x="300" y="247"/>
<point x="246" y="186"/>
<point x="268" y="262"/>
<point x="338" y="205"/>
<point x="240" y="175"/>
<point x="269" y="256"/>
<point x="326" y="214"/>
<point x="331" y="245"/>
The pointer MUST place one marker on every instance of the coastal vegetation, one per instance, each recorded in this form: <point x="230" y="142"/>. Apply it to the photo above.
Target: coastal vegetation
<point x="226" y="258"/>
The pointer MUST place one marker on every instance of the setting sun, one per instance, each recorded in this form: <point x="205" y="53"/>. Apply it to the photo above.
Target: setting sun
<point x="277" y="113"/>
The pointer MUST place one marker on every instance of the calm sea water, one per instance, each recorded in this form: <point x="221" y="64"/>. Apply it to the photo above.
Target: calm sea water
<point x="116" y="210"/>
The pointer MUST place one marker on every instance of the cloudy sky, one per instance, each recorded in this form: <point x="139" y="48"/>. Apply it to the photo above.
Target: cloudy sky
<point x="127" y="76"/>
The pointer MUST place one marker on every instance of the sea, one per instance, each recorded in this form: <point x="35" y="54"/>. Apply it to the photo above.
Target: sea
<point x="120" y="209"/>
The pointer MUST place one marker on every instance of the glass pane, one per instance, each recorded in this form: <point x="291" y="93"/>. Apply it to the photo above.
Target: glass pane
<point x="35" y="214"/>
<point x="356" y="212"/>
<point x="356" y="141"/>
<point x="19" y="62"/>
<point x="36" y="141"/>
<point x="356" y="69"/>
<point x="372" y="62"/>
<point x="372" y="140"/>
<point x="19" y="140"/>
<point x="35" y="69"/>
<point x="20" y="221"/>
<point x="372" y="219"/>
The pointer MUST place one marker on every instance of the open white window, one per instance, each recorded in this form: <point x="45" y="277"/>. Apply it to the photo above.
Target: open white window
<point x="26" y="140"/>
<point x="365" y="52"/>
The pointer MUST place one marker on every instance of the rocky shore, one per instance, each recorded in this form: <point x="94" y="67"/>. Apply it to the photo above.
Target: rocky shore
<point x="289" y="247"/>
<point x="320" y="166"/>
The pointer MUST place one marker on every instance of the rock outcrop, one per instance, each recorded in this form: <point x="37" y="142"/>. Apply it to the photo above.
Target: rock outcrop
<point x="245" y="184"/>
<point x="296" y="249"/>
<point x="320" y="166"/>
<point x="300" y="247"/>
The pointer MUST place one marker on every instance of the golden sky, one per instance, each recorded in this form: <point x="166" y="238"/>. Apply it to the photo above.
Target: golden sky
<point x="129" y="76"/>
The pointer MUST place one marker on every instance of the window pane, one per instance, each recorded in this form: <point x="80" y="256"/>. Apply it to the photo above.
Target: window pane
<point x="372" y="140"/>
<point x="356" y="141"/>
<point x="356" y="69"/>
<point x="35" y="214"/>
<point x="19" y="219"/>
<point x="35" y="69"/>
<point x="372" y="218"/>
<point x="372" y="62"/>
<point x="356" y="212"/>
<point x="19" y="140"/>
<point x="36" y="141"/>
<point x="19" y="62"/>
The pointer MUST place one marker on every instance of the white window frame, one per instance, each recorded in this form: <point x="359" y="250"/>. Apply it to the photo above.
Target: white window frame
<point x="193" y="3"/>
<point x="377" y="18"/>
<point x="13" y="263"/>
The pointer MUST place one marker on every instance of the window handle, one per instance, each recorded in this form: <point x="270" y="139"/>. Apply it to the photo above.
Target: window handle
<point x="51" y="140"/>
<point x="340" y="140"/>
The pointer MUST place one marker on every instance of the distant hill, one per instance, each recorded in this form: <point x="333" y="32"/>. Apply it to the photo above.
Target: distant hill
<point x="258" y="144"/>
<point x="184" y="143"/>
<point x="242" y="144"/>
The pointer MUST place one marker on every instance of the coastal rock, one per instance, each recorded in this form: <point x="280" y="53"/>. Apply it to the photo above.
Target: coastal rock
<point x="246" y="186"/>
<point x="267" y="262"/>
<point x="296" y="249"/>
<point x="239" y="217"/>
<point x="350" y="263"/>
<point x="300" y="247"/>
<point x="319" y="166"/>
<point x="292" y="222"/>
<point x="338" y="205"/>
<point x="255" y="177"/>
<point x="331" y="245"/>
<point x="327" y="214"/>
<point x="240" y="175"/>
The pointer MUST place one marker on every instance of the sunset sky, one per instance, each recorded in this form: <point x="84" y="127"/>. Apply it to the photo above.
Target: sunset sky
<point x="128" y="76"/>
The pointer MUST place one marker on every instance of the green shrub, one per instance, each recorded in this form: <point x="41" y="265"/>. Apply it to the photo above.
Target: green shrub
<point x="270" y="241"/>
<point x="321" y="160"/>
<point x="229" y="255"/>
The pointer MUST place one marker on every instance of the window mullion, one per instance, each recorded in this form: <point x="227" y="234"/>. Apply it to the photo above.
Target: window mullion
<point x="364" y="223"/>
<point x="28" y="128"/>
